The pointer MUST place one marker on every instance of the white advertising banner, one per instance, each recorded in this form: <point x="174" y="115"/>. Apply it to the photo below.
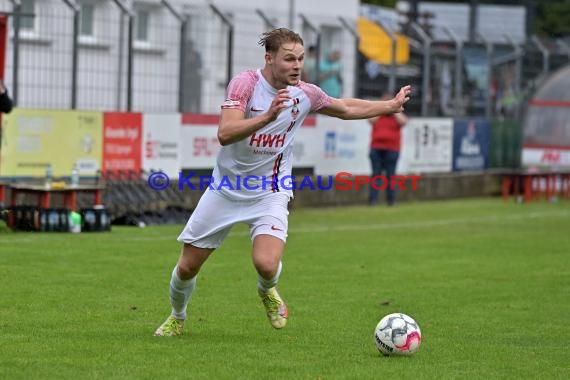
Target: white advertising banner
<point x="305" y="152"/>
<point x="558" y="158"/>
<point x="200" y="143"/>
<point x="342" y="146"/>
<point x="161" y="143"/>
<point x="426" y="146"/>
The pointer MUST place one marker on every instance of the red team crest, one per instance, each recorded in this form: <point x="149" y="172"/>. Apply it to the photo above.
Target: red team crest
<point x="295" y="109"/>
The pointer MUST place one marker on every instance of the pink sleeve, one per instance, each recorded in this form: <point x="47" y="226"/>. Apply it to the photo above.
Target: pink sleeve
<point x="319" y="99"/>
<point x="240" y="90"/>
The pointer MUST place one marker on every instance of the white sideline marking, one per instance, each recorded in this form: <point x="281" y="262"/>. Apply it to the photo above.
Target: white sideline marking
<point x="346" y="227"/>
<point x="425" y="223"/>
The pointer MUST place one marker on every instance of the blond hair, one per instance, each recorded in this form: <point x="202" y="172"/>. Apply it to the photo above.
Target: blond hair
<point x="273" y="39"/>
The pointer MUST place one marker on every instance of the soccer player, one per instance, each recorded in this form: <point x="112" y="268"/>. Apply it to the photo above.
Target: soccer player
<point x="259" y="119"/>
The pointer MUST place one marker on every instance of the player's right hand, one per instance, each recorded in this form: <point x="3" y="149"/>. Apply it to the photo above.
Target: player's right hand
<point x="278" y="104"/>
<point x="402" y="98"/>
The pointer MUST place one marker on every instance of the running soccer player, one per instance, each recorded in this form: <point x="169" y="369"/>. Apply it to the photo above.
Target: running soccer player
<point x="263" y="110"/>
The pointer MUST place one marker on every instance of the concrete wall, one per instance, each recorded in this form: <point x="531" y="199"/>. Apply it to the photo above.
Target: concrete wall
<point x="430" y="187"/>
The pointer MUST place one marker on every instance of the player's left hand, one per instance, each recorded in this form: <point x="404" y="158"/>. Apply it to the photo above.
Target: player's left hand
<point x="402" y="98"/>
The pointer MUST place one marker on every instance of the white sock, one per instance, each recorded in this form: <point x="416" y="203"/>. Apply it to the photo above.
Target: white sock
<point x="263" y="285"/>
<point x="180" y="293"/>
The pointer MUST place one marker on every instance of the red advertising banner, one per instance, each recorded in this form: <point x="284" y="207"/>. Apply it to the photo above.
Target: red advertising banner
<point x="122" y="141"/>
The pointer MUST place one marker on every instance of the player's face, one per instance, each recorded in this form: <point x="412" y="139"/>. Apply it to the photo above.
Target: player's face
<point x="286" y="65"/>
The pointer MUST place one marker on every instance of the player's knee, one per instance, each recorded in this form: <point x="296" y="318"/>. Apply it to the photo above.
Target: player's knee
<point x="266" y="266"/>
<point x="186" y="270"/>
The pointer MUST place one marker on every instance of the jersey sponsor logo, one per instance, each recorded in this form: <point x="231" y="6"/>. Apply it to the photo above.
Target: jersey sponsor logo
<point x="267" y="140"/>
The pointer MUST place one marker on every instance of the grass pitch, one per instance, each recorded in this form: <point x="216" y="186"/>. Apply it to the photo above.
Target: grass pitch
<point x="488" y="282"/>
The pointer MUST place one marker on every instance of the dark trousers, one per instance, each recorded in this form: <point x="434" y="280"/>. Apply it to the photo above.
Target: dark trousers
<point x="383" y="163"/>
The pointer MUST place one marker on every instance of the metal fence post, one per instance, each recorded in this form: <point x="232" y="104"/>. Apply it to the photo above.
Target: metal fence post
<point x="545" y="54"/>
<point x="17" y="8"/>
<point x="394" y="38"/>
<point x="292" y="14"/>
<point x="426" y="71"/>
<point x="490" y="51"/>
<point x="181" y="69"/>
<point x="354" y="34"/>
<point x="265" y="19"/>
<point x="130" y="35"/>
<point x="225" y="19"/>
<point x="130" y="24"/>
<point x="182" y="62"/>
<point x="317" y="47"/>
<point x="518" y="73"/>
<point x="458" y="85"/>
<point x="74" y="50"/>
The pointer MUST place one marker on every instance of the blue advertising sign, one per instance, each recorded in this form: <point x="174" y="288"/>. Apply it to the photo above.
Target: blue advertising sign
<point x="470" y="144"/>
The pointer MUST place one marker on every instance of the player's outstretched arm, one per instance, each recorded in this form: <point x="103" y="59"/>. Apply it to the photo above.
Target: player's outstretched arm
<point x="351" y="109"/>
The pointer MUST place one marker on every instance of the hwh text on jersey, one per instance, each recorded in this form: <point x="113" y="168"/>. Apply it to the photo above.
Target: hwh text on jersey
<point x="267" y="140"/>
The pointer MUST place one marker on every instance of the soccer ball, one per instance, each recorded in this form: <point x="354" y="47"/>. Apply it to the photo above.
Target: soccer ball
<point x="397" y="334"/>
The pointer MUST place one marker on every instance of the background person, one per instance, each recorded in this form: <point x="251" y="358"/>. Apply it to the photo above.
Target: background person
<point x="310" y="72"/>
<point x="5" y="107"/>
<point x="192" y="101"/>
<point x="385" y="151"/>
<point x="5" y="100"/>
<point x="330" y="74"/>
<point x="263" y="110"/>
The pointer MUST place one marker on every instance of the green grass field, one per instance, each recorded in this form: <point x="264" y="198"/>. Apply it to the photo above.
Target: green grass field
<point x="488" y="282"/>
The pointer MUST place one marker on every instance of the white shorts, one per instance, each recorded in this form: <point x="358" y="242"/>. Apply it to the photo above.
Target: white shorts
<point x="215" y="216"/>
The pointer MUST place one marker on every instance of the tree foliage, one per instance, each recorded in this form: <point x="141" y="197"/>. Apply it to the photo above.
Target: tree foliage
<point x="382" y="3"/>
<point x="553" y="18"/>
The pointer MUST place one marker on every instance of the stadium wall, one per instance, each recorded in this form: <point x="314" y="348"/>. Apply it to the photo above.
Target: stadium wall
<point x="431" y="186"/>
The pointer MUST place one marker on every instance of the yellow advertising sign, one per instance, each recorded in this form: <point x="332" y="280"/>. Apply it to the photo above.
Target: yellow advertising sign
<point x="376" y="44"/>
<point x="32" y="139"/>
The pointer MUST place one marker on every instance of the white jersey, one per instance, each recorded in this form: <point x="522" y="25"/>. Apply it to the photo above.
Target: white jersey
<point x="261" y="164"/>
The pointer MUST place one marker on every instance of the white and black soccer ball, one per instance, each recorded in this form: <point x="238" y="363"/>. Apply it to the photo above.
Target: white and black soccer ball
<point x="397" y="334"/>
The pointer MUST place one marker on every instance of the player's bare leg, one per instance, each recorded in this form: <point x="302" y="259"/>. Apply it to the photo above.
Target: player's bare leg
<point x="182" y="285"/>
<point x="267" y="252"/>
